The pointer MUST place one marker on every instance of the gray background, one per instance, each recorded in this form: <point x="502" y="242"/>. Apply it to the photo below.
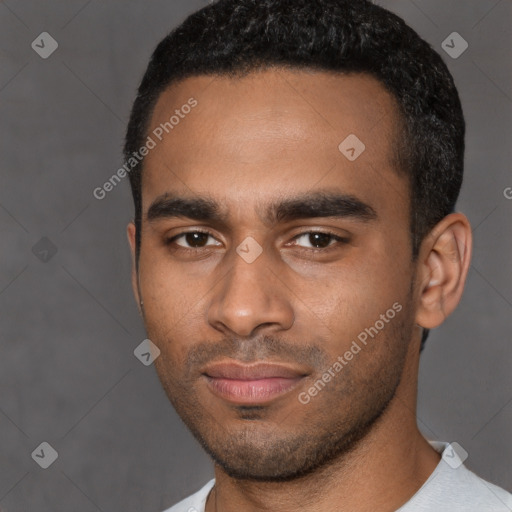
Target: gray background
<point x="69" y="325"/>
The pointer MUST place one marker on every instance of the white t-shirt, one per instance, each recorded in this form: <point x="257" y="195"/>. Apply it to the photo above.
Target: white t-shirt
<point x="450" y="488"/>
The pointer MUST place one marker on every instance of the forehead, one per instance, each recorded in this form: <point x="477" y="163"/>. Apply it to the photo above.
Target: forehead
<point x="274" y="132"/>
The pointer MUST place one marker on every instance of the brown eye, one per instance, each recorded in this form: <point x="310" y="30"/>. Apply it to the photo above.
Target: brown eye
<point x="196" y="239"/>
<point x="193" y="240"/>
<point x="318" y="240"/>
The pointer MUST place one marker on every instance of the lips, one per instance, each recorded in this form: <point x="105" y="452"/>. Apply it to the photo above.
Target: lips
<point x="255" y="383"/>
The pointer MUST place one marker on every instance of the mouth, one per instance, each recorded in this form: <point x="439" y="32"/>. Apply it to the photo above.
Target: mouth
<point x="251" y="384"/>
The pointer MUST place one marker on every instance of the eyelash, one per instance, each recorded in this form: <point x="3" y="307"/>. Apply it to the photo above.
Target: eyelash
<point x="339" y="239"/>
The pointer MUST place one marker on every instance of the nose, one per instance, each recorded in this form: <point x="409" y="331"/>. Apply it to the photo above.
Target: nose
<point x="249" y="298"/>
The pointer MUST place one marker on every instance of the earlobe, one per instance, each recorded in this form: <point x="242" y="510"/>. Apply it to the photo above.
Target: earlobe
<point x="444" y="263"/>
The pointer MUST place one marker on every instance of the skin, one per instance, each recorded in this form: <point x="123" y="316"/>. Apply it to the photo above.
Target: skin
<point x="264" y="138"/>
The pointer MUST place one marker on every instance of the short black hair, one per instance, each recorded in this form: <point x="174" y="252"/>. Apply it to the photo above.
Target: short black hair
<point x="235" y="37"/>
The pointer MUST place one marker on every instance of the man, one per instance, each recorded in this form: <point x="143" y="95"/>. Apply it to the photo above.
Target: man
<point x="294" y="240"/>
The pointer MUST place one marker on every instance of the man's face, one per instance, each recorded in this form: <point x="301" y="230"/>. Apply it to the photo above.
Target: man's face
<point x="277" y="276"/>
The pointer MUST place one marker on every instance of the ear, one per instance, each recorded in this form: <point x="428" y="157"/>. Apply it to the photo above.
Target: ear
<point x="443" y="265"/>
<point x="131" y="231"/>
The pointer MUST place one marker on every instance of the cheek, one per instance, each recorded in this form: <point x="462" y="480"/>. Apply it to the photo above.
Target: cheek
<point x="170" y="306"/>
<point x="162" y="284"/>
<point x="350" y="297"/>
<point x="364" y="303"/>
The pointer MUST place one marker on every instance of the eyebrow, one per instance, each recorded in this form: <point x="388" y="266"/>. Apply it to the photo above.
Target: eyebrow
<point x="306" y="206"/>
